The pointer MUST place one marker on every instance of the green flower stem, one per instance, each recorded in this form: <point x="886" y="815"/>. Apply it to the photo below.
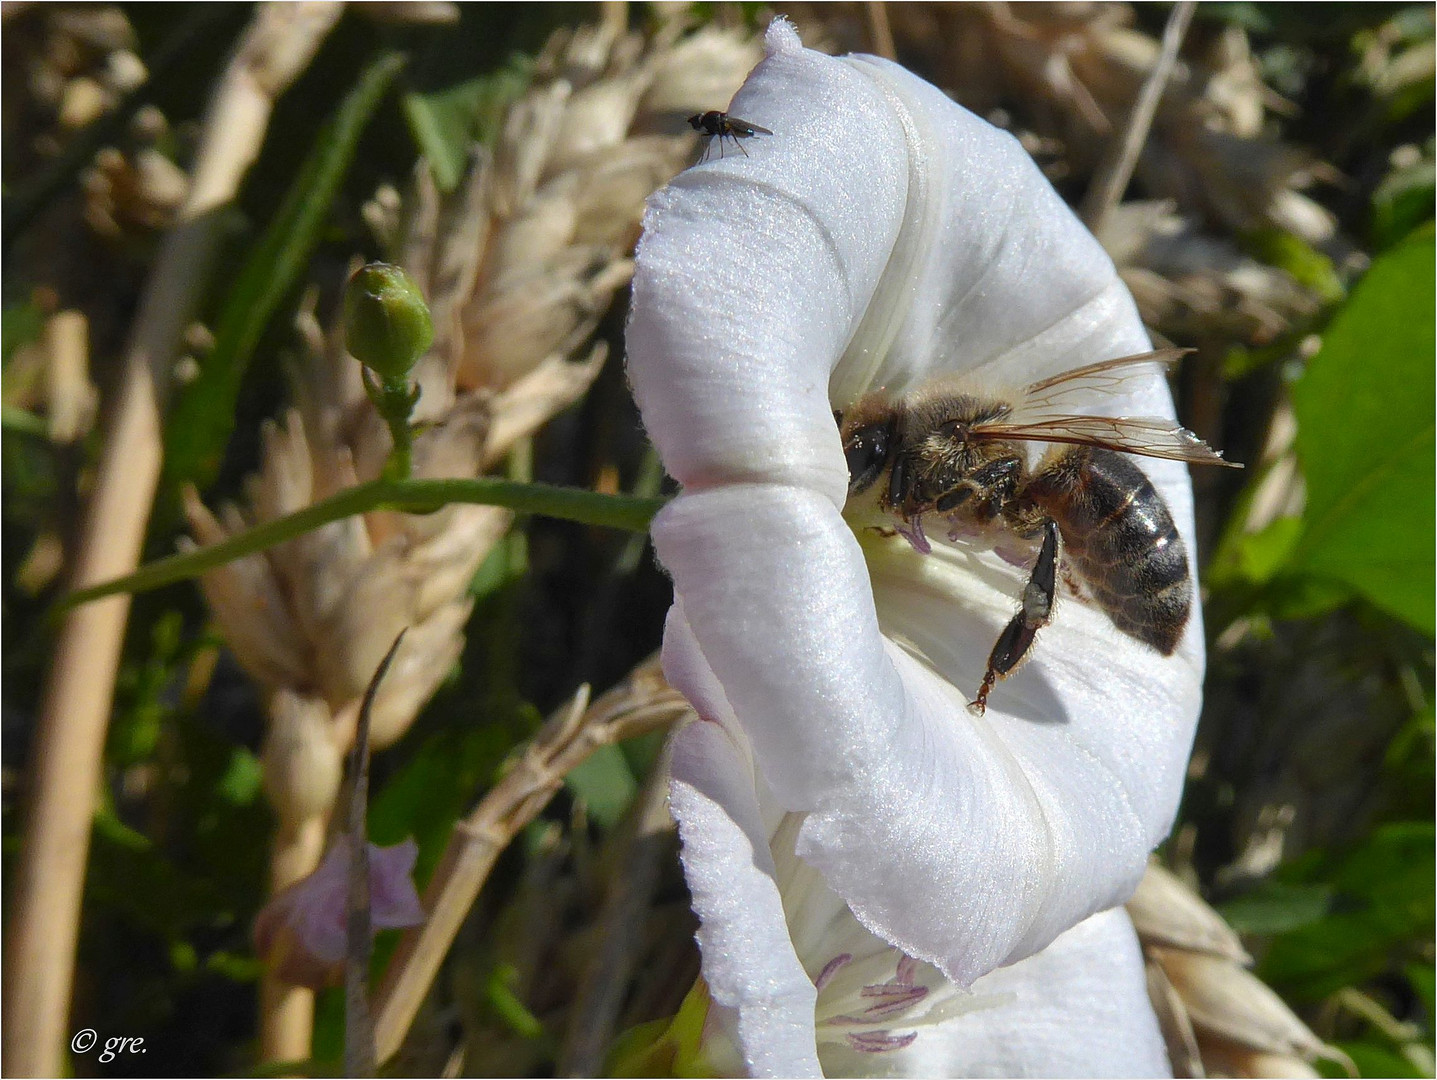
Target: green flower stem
<point x="400" y="462"/>
<point x="626" y="512"/>
<point x="394" y="400"/>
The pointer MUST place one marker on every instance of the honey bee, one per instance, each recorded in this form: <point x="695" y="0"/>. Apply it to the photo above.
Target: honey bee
<point x="956" y="455"/>
<point x="721" y="126"/>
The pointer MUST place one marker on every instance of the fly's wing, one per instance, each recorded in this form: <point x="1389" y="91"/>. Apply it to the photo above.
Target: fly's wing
<point x="1043" y="414"/>
<point x="744" y="129"/>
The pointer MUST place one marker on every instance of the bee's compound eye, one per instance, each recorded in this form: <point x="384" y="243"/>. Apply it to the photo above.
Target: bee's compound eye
<point x="867" y="452"/>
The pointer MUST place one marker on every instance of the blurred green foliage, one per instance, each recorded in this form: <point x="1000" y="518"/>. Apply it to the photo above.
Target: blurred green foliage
<point x="1365" y="409"/>
<point x="201" y="420"/>
<point x="1342" y="928"/>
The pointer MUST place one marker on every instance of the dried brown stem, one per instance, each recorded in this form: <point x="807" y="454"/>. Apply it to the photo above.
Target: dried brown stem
<point x="287" y="1012"/>
<point x="641" y="703"/>
<point x="880" y="33"/>
<point x="1116" y="168"/>
<point x="621" y="930"/>
<point x="358" y="1021"/>
<point x="69" y="394"/>
<point x="70" y="735"/>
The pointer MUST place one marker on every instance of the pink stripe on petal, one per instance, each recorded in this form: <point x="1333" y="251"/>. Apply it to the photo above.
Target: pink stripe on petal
<point x="830" y="969"/>
<point x="880" y="1042"/>
<point x="892" y="990"/>
<point x="896" y="1006"/>
<point x="907" y="969"/>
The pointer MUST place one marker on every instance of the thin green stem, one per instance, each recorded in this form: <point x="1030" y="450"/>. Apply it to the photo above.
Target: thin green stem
<point x="626" y="512"/>
<point x="401" y="458"/>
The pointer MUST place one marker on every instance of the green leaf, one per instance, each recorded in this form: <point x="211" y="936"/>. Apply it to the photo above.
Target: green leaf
<point x="462" y="80"/>
<point x="1365" y="437"/>
<point x="20" y="324"/>
<point x="1275" y="907"/>
<point x="410" y="496"/>
<point x="1376" y="1059"/>
<point x="1255" y="558"/>
<point x="242" y="780"/>
<point x="499" y="993"/>
<point x="448" y="121"/>
<point x="1289" y="252"/>
<point x="1382" y="903"/>
<point x="1403" y="201"/>
<point x="1423" y="977"/>
<point x="605" y="784"/>
<point x="200" y="423"/>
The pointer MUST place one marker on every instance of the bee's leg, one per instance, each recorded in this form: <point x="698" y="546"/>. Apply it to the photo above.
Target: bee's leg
<point x="1017" y="637"/>
<point x="737" y="142"/>
<point x="994" y="484"/>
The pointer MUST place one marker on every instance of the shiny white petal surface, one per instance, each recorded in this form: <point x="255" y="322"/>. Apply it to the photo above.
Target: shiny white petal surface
<point x="752" y="972"/>
<point x="1079" y="1008"/>
<point x="967" y="841"/>
<point x="882" y="236"/>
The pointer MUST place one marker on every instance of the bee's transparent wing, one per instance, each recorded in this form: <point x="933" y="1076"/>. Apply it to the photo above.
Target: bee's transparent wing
<point x="1150" y="436"/>
<point x="1043" y="414"/>
<point x="1106" y="377"/>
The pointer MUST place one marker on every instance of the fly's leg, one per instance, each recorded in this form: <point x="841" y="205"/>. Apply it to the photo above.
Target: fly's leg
<point x="1017" y="637"/>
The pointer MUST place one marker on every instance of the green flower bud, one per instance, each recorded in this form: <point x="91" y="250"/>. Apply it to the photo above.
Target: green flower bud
<point x="386" y="322"/>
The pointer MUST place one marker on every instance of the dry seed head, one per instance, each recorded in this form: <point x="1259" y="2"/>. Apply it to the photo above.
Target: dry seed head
<point x="1079" y="69"/>
<point x="1174" y="1023"/>
<point x="517" y="267"/>
<point x="1167" y="912"/>
<point x="303" y="762"/>
<point x="701" y="71"/>
<point x="1222" y="1058"/>
<point x="1227" y="1002"/>
<point x="1205" y="999"/>
<point x="1194" y="285"/>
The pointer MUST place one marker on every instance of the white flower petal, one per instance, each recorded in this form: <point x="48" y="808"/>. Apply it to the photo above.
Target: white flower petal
<point x="1078" y="1008"/>
<point x="752" y="278"/>
<point x="749" y="962"/>
<point x="881" y="236"/>
<point x="968" y="842"/>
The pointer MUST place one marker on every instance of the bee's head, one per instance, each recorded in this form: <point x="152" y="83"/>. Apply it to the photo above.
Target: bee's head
<point x="868" y="447"/>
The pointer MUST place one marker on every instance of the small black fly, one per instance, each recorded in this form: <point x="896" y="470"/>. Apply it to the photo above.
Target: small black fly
<point x="721" y="126"/>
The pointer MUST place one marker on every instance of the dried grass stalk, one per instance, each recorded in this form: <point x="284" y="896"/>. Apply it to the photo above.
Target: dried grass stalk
<point x="69" y="738"/>
<point x="641" y="703"/>
<point x="1077" y="68"/>
<point x="518" y="266"/>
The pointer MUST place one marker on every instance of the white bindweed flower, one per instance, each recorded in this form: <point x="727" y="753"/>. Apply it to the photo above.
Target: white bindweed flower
<point x="882" y="237"/>
<point x="797" y="982"/>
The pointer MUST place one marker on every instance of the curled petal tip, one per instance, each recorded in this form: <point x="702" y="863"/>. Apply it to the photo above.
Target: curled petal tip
<point x="781" y="37"/>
